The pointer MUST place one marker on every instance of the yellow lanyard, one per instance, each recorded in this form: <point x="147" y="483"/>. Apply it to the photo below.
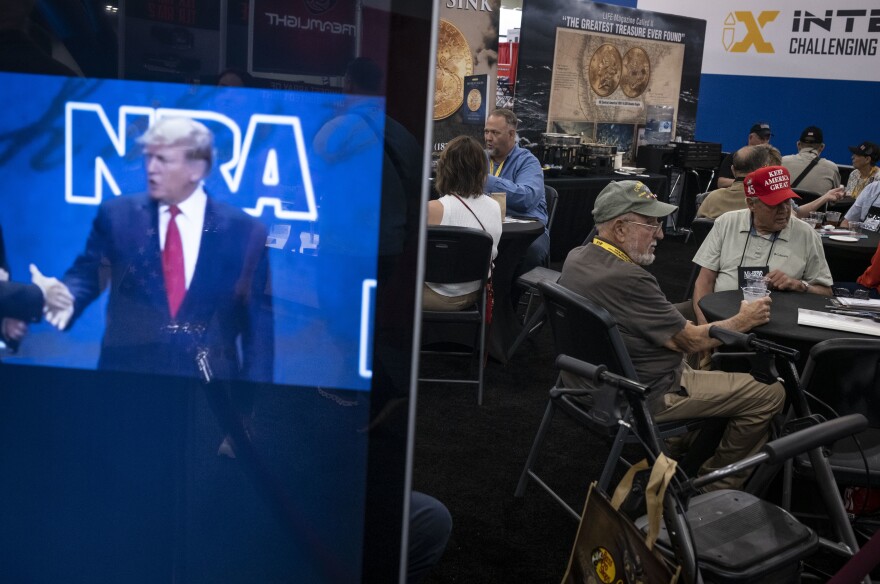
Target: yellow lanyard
<point x="611" y="249"/>
<point x="496" y="171"/>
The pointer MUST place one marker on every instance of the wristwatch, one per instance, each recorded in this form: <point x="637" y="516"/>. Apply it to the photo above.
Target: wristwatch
<point x="806" y="285"/>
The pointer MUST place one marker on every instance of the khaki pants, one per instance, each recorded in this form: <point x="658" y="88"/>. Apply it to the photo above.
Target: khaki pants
<point x="748" y="405"/>
<point x="433" y="301"/>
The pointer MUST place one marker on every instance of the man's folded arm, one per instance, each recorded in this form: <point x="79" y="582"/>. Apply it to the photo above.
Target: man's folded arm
<point x="528" y="190"/>
<point x="695" y="338"/>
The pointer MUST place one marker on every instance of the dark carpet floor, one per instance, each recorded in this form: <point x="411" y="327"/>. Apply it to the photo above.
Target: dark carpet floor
<point x="470" y="457"/>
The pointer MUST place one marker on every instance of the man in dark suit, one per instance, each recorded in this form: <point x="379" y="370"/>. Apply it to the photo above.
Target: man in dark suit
<point x="26" y="302"/>
<point x="23" y="303"/>
<point x="187" y="275"/>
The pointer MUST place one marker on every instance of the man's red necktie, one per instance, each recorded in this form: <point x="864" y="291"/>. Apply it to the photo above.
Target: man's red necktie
<point x="172" y="264"/>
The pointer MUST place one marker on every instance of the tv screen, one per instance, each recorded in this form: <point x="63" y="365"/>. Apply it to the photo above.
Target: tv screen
<point x="227" y="400"/>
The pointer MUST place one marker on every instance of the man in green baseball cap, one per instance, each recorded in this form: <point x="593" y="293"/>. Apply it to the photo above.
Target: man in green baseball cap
<point x="628" y="196"/>
<point x="609" y="271"/>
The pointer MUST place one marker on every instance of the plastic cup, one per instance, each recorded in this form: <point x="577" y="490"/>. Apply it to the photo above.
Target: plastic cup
<point x="856" y="228"/>
<point x="760" y="283"/>
<point x="752" y="293"/>
<point x="819" y="218"/>
<point x="833" y="217"/>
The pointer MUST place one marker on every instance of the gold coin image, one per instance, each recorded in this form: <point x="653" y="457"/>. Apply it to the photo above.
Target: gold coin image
<point x="604" y="69"/>
<point x="636" y="72"/>
<point x="454" y="63"/>
<point x="474" y="100"/>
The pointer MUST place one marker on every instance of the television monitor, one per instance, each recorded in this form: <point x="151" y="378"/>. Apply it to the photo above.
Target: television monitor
<point x="261" y="431"/>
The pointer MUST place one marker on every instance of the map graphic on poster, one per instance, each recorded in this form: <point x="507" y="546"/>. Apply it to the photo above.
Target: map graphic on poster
<point x="613" y="79"/>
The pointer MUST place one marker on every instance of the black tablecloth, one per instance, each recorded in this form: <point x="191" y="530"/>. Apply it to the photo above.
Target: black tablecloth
<point x="848" y="260"/>
<point x="515" y="240"/>
<point x="783" y="327"/>
<point x="574" y="218"/>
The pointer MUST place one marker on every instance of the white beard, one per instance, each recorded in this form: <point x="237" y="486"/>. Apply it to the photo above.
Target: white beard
<point x="642" y="259"/>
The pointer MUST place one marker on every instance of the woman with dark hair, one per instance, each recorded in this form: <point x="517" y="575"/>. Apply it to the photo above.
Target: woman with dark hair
<point x="461" y="178"/>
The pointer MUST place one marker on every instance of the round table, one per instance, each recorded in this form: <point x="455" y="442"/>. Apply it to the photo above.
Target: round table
<point x="848" y="260"/>
<point x="783" y="327"/>
<point x="515" y="240"/>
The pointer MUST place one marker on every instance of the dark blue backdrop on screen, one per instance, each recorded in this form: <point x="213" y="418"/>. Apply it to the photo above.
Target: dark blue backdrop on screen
<point x="306" y="164"/>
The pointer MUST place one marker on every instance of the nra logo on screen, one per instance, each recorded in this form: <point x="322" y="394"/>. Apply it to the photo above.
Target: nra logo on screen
<point x="89" y="135"/>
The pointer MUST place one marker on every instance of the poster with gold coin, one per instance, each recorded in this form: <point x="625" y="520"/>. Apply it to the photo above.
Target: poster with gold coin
<point x="466" y="69"/>
<point x="614" y="79"/>
<point x="474" y="109"/>
<point x="454" y="63"/>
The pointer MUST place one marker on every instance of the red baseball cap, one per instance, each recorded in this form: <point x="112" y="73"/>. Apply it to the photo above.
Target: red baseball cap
<point x="770" y="184"/>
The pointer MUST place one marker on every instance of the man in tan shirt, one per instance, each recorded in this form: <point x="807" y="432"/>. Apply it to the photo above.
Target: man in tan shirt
<point x="745" y="160"/>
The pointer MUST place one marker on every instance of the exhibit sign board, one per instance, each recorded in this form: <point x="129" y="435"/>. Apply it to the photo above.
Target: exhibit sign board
<point x="467" y="66"/>
<point x="804" y="39"/>
<point x="608" y="73"/>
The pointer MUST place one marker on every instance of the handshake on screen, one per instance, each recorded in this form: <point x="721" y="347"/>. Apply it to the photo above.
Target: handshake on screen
<point x="57" y="299"/>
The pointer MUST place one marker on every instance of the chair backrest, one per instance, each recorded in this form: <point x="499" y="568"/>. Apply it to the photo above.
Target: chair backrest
<point x="457" y="254"/>
<point x="701" y="227"/>
<point x="552" y="198"/>
<point x="584" y="330"/>
<point x="591" y="235"/>
<point x="806" y="196"/>
<point x="699" y="200"/>
<point x="845" y="374"/>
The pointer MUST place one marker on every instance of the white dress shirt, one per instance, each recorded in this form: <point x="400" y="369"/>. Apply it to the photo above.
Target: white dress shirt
<point x="190" y="222"/>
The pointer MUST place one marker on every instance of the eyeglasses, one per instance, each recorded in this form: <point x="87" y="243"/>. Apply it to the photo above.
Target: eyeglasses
<point x="784" y="205"/>
<point x="654" y="227"/>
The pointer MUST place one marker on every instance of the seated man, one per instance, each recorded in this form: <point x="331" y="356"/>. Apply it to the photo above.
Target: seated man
<point x="866" y="208"/>
<point x="609" y="272"/>
<point x="516" y="172"/>
<point x="763" y="240"/>
<point x="745" y="160"/>
<point x="759" y="133"/>
<point x="749" y="159"/>
<point x="808" y="169"/>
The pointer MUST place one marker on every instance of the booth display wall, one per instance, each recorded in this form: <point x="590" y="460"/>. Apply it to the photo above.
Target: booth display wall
<point x="599" y="70"/>
<point x="796" y="81"/>
<point x="466" y="69"/>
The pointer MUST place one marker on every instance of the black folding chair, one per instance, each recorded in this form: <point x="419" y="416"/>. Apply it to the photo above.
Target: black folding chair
<point x="456" y="255"/>
<point x="806" y="196"/>
<point x="724" y="535"/>
<point x="533" y="320"/>
<point x="700" y="228"/>
<point x="843" y="377"/>
<point x="769" y="361"/>
<point x="530" y="279"/>
<point x="586" y="331"/>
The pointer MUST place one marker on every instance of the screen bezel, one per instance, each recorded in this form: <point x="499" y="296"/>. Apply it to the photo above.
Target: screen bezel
<point x="409" y="68"/>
